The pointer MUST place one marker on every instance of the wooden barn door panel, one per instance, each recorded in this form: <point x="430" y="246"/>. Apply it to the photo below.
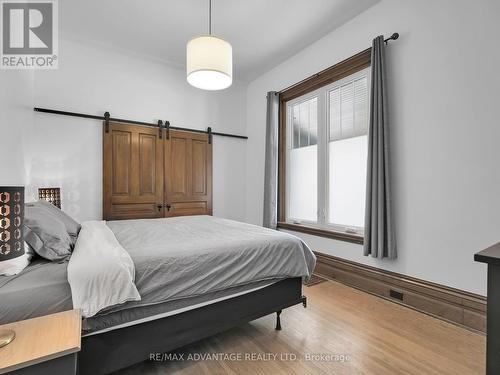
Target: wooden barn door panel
<point x="199" y="152"/>
<point x="176" y="163"/>
<point x="133" y="172"/>
<point x="122" y="162"/>
<point x="188" y="174"/>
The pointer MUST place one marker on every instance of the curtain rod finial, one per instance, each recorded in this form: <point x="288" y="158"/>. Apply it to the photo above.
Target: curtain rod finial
<point x="394" y="36"/>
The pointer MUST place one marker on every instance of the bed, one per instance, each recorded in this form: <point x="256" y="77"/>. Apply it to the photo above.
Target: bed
<point x="196" y="276"/>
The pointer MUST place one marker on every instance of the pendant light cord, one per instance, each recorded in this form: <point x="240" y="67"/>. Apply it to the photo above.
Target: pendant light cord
<point x="209" y="17"/>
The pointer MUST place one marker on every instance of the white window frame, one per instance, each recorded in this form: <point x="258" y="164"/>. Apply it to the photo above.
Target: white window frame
<point x="323" y="138"/>
<point x="289" y="139"/>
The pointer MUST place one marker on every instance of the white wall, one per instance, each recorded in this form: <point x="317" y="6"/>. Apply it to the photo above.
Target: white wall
<point x="444" y="99"/>
<point x="16" y="121"/>
<point x="67" y="151"/>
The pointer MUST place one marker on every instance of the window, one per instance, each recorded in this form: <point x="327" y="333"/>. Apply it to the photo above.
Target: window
<point x="324" y="136"/>
<point x="302" y="160"/>
<point x="347" y="151"/>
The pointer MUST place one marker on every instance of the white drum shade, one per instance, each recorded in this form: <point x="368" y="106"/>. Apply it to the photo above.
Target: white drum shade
<point x="209" y="63"/>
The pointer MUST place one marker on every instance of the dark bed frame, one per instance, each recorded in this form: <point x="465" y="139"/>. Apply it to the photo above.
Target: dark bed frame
<point x="114" y="350"/>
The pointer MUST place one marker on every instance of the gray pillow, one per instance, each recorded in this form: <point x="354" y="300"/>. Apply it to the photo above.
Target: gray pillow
<point x="72" y="227"/>
<point x="45" y="233"/>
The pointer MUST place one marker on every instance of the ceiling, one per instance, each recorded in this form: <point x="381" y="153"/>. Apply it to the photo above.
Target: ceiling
<point x="263" y="33"/>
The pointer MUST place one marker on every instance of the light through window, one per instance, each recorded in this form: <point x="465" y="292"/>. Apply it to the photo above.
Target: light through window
<point x="303" y="160"/>
<point x="327" y="154"/>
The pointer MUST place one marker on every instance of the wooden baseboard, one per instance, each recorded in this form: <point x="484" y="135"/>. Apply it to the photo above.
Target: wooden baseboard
<point x="453" y="305"/>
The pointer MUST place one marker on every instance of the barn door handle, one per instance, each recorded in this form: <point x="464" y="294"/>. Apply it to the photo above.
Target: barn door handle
<point x="168" y="206"/>
<point x="159" y="207"/>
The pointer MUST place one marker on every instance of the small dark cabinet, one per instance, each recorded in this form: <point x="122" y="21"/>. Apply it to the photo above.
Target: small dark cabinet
<point x="491" y="256"/>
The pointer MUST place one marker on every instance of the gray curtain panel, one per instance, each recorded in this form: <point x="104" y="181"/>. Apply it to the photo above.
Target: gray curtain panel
<point x="379" y="239"/>
<point x="271" y="174"/>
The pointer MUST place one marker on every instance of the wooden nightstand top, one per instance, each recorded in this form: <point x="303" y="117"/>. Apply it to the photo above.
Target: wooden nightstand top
<point x="41" y="339"/>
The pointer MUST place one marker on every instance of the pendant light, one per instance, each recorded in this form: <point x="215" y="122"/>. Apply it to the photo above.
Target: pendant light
<point x="209" y="60"/>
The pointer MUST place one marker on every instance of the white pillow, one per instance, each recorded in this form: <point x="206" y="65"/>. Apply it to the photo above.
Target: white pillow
<point x="14" y="266"/>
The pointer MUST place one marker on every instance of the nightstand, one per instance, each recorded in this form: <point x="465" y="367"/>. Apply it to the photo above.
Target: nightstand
<point x="45" y="345"/>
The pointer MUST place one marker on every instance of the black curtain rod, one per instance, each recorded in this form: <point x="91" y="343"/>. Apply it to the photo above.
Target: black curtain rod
<point x="394" y="36"/>
<point x="115" y="119"/>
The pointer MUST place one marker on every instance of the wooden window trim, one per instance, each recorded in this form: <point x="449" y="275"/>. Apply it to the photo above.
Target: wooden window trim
<point x="334" y="73"/>
<point x="332" y="234"/>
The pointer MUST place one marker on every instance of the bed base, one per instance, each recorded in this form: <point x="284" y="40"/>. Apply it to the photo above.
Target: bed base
<point x="113" y="350"/>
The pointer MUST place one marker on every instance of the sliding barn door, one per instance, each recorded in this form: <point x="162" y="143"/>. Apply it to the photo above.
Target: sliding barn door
<point x="188" y="174"/>
<point x="133" y="172"/>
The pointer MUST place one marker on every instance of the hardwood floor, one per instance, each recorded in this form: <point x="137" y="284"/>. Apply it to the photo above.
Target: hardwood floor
<point x="373" y="335"/>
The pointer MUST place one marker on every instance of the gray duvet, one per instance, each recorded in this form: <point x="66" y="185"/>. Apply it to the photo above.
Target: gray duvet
<point x="41" y="288"/>
<point x="174" y="259"/>
<point x="190" y="256"/>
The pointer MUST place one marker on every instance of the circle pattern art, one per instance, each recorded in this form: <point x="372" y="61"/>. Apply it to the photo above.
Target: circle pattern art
<point x="11" y="221"/>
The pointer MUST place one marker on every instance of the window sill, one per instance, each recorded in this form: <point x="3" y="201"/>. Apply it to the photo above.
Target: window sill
<point x="335" y="235"/>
